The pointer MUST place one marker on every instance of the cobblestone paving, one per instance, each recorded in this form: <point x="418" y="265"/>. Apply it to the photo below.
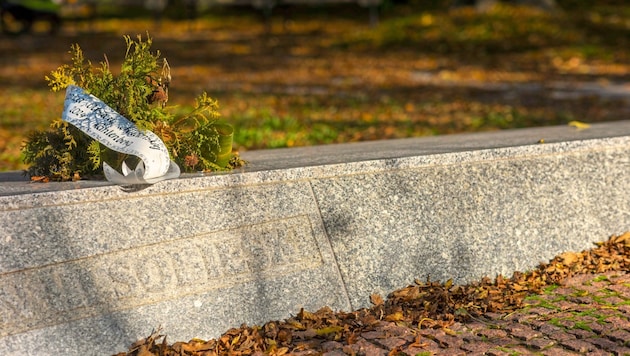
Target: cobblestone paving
<point x="585" y="315"/>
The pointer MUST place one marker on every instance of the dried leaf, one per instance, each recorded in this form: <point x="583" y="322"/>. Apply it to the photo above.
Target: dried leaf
<point x="579" y="125"/>
<point x="306" y="315"/>
<point x="448" y="284"/>
<point x="569" y="258"/>
<point x="397" y="316"/>
<point x="624" y="238"/>
<point x="376" y="299"/>
<point x="328" y="330"/>
<point x="143" y="351"/>
<point x="41" y="179"/>
<point x="449" y="331"/>
<point x="296" y="324"/>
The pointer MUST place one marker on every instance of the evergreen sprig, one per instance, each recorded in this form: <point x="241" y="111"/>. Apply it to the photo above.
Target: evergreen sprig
<point x="197" y="141"/>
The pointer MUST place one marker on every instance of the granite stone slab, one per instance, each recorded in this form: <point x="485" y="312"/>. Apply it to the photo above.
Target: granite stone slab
<point x="91" y="267"/>
<point x="471" y="219"/>
<point x="92" y="276"/>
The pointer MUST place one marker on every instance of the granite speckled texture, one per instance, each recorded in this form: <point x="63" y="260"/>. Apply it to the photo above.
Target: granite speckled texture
<point x="82" y="262"/>
<point x="196" y="263"/>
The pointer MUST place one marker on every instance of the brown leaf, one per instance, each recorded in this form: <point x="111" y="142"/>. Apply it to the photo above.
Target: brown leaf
<point x="376" y="299"/>
<point x="624" y="238"/>
<point x="196" y="346"/>
<point x="279" y="352"/>
<point x="352" y="338"/>
<point x="569" y="258"/>
<point x="306" y="315"/>
<point x="143" y="351"/>
<point x="41" y="179"/>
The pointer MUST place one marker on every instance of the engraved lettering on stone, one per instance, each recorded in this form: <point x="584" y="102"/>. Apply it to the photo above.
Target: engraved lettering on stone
<point x="155" y="274"/>
<point x="139" y="276"/>
<point x="191" y="269"/>
<point x="123" y="280"/>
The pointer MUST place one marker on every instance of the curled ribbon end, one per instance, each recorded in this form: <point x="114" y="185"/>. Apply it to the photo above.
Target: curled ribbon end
<point x="136" y="176"/>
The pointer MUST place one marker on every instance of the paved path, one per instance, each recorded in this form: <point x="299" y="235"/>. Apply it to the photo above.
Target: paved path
<point x="585" y="315"/>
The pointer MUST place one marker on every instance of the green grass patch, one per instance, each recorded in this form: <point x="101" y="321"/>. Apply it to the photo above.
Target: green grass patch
<point x="507" y="350"/>
<point x="541" y="302"/>
<point x="582" y="325"/>
<point x="600" y="318"/>
<point x="551" y="288"/>
<point x="600" y="279"/>
<point x="556" y="322"/>
<point x="424" y="353"/>
<point x="579" y="292"/>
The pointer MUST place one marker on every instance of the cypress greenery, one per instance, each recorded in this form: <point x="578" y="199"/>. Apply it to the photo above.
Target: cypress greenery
<point x="197" y="141"/>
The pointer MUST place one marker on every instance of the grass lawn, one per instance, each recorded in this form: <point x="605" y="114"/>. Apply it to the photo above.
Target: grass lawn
<point x="322" y="75"/>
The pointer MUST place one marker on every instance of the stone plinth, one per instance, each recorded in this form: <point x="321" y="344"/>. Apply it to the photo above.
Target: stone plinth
<point x="86" y="268"/>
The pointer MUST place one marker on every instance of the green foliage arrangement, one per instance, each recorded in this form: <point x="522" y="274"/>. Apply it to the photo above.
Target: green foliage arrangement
<point x="197" y="141"/>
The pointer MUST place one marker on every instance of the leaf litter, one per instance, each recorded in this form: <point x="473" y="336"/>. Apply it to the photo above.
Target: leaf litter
<point x="423" y="305"/>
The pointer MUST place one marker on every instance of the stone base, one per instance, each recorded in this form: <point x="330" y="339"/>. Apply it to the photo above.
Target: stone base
<point x="87" y="267"/>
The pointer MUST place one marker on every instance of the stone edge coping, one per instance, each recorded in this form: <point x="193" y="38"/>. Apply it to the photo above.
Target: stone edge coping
<point x="317" y="162"/>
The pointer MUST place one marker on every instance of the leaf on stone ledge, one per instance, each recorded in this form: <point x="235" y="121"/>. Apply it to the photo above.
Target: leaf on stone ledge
<point x="579" y="125"/>
<point x="41" y="179"/>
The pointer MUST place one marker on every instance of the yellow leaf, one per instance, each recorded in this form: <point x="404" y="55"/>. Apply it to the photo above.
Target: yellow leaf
<point x="448" y="284"/>
<point x="449" y="331"/>
<point x="296" y="324"/>
<point x="281" y="351"/>
<point x="579" y="125"/>
<point x="397" y="316"/>
<point x="426" y="19"/>
<point x="328" y="330"/>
